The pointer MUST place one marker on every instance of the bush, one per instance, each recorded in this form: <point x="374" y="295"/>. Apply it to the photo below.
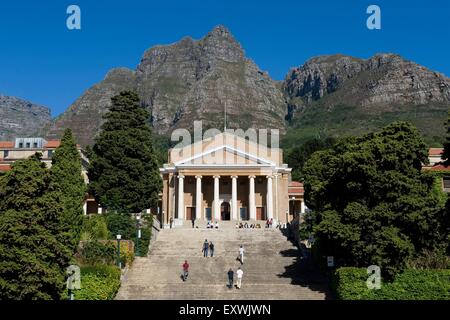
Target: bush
<point x="350" y="284"/>
<point x="146" y="235"/>
<point x="126" y="252"/>
<point x="96" y="252"/>
<point x="98" y="282"/>
<point x="121" y="223"/>
<point x="94" y="228"/>
<point x="431" y="259"/>
<point x="104" y="252"/>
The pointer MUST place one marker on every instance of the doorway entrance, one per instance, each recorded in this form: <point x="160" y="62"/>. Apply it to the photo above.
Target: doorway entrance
<point x="260" y="213"/>
<point x="190" y="213"/>
<point x="225" y="211"/>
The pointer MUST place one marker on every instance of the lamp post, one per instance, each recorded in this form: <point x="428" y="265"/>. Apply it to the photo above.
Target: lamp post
<point x="138" y="234"/>
<point x="119" y="263"/>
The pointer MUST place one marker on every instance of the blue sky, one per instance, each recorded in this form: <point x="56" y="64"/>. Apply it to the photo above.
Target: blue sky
<point x="44" y="62"/>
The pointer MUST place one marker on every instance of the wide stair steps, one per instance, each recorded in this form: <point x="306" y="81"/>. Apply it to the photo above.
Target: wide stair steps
<point x="273" y="268"/>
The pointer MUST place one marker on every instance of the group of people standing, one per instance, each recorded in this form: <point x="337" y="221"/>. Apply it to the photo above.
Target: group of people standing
<point x="208" y="247"/>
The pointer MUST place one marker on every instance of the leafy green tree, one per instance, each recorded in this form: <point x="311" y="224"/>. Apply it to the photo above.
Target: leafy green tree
<point x="121" y="223"/>
<point x="33" y="254"/>
<point x="373" y="204"/>
<point x="66" y="172"/>
<point x="297" y="156"/>
<point x="124" y="174"/>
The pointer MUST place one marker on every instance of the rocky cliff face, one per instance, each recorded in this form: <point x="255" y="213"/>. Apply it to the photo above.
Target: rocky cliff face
<point x="186" y="81"/>
<point x="20" y="118"/>
<point x="339" y="95"/>
<point x="382" y="81"/>
<point x="335" y="95"/>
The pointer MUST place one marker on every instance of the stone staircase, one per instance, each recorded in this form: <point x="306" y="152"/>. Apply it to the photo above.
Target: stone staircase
<point x="273" y="268"/>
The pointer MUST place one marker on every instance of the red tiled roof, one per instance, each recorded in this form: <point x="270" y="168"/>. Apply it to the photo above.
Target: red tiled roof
<point x="295" y="184"/>
<point x="435" y="151"/>
<point x="295" y="187"/>
<point x="53" y="144"/>
<point x="6" y="144"/>
<point x="5" y="167"/>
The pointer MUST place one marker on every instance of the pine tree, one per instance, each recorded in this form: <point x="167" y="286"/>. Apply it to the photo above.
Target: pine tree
<point x="67" y="174"/>
<point x="123" y="170"/>
<point x="33" y="258"/>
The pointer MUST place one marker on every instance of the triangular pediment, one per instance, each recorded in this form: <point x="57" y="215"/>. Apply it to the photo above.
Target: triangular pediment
<point x="224" y="155"/>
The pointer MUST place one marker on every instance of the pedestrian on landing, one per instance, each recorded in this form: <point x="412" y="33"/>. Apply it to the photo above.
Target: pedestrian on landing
<point x="185" y="270"/>
<point x="270" y="222"/>
<point x="211" y="248"/>
<point x="171" y="222"/>
<point x="193" y="222"/>
<point x="241" y="254"/>
<point x="230" y="278"/>
<point x="205" y="248"/>
<point x="239" y="274"/>
<point x="217" y="225"/>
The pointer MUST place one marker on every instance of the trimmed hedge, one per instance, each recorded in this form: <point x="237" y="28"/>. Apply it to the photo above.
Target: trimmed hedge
<point x="412" y="284"/>
<point x="99" y="282"/>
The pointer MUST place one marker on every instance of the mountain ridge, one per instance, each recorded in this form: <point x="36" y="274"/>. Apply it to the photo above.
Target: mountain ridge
<point x="333" y="94"/>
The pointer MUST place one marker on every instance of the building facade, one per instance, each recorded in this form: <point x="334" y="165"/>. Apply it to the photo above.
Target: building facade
<point x="225" y="177"/>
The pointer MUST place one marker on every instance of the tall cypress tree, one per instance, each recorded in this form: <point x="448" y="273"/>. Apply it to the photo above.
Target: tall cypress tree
<point x="33" y="256"/>
<point x="67" y="174"/>
<point x="123" y="170"/>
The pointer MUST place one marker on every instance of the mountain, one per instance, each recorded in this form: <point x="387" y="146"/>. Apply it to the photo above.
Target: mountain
<point x="182" y="82"/>
<point x="332" y="95"/>
<point x="339" y="95"/>
<point x="21" y="118"/>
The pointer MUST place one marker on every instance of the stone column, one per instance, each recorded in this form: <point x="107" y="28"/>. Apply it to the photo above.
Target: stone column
<point x="251" y="199"/>
<point x="180" y="196"/>
<point x="198" y="198"/>
<point x="302" y="206"/>
<point x="234" y="208"/>
<point x="269" y="198"/>
<point x="216" y="198"/>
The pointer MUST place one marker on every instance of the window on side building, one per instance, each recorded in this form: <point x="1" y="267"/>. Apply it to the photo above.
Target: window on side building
<point x="446" y="183"/>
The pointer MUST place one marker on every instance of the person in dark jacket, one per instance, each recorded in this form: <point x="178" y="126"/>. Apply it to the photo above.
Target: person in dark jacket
<point x="211" y="248"/>
<point x="205" y="248"/>
<point x="230" y="278"/>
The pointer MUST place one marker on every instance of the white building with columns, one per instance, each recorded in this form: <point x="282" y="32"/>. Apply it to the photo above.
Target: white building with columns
<point x="225" y="177"/>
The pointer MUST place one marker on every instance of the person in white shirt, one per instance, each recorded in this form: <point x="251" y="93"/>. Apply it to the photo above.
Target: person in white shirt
<point x="239" y="274"/>
<point x="241" y="254"/>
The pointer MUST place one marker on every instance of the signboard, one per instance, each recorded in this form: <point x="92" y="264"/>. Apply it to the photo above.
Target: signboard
<point x="330" y="261"/>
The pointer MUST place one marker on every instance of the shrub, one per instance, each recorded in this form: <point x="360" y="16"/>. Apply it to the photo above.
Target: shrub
<point x="95" y="252"/>
<point x="431" y="259"/>
<point x="121" y="223"/>
<point x="94" y="228"/>
<point x="146" y="235"/>
<point x="126" y="252"/>
<point x="350" y="284"/>
<point x="98" y="282"/>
